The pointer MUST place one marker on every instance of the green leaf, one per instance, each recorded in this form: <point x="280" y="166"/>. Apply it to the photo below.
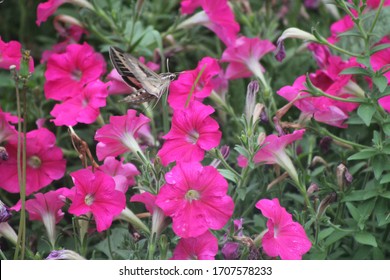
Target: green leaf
<point x="379" y="164"/>
<point x="366" y="112"/>
<point x="354" y="212"/>
<point x="386" y="128"/>
<point x="241" y="193"/>
<point x="364" y="154"/>
<point x="365" y="61"/>
<point x="242" y="151"/>
<point x="228" y="175"/>
<point x="385" y="195"/>
<point x="380" y="82"/>
<point x="356" y="71"/>
<point x="360" y="195"/>
<point x="334" y="237"/>
<point x="379" y="48"/>
<point x="365" y="238"/>
<point x="385" y="179"/>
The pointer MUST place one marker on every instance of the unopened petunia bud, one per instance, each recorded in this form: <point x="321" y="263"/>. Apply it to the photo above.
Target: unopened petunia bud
<point x="325" y="144"/>
<point x="224" y="152"/>
<point x="64" y="255"/>
<point x="261" y="138"/>
<point x="329" y="199"/>
<point x="259" y="109"/>
<point x="313" y="188"/>
<point x="3" y="154"/>
<point x="318" y="160"/>
<point x="291" y="33"/>
<point x="343" y="176"/>
<point x="250" y="103"/>
<point x="231" y="251"/>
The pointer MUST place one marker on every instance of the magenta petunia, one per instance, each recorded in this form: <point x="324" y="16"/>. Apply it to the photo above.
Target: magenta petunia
<point x="179" y="90"/>
<point x="221" y="20"/>
<point x="46" y="9"/>
<point x="148" y="199"/>
<point x="7" y="131"/>
<point x="273" y="152"/>
<point x="324" y="109"/>
<point x="120" y="135"/>
<point x="244" y="55"/>
<point x="188" y="6"/>
<point x="192" y="133"/>
<point x="83" y="107"/>
<point x="284" y="238"/>
<point x="203" y="247"/>
<point x="95" y="193"/>
<point x="46" y="207"/>
<point x="11" y="54"/>
<point x="45" y="162"/>
<point x="196" y="199"/>
<point x="122" y="173"/>
<point x="67" y="73"/>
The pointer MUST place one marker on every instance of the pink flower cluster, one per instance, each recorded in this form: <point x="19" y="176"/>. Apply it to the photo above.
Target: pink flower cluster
<point x="72" y="77"/>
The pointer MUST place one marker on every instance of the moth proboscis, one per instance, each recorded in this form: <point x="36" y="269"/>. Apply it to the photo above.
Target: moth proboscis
<point x="148" y="84"/>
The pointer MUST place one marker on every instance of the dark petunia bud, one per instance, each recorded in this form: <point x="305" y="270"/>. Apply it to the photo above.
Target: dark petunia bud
<point x="280" y="52"/>
<point x="312" y="4"/>
<point x="329" y="199"/>
<point x="231" y="251"/>
<point x="325" y="144"/>
<point x="3" y="154"/>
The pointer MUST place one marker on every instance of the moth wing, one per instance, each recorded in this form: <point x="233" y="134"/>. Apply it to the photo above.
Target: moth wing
<point x="135" y="73"/>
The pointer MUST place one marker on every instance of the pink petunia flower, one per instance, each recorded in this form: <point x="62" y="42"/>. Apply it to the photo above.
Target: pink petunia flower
<point x="243" y="57"/>
<point x="217" y="16"/>
<point x="68" y="73"/>
<point x="7" y="131"/>
<point x="284" y="238"/>
<point x="203" y="247"/>
<point x="95" y="193"/>
<point x="122" y="173"/>
<point x="46" y="9"/>
<point x="188" y="6"/>
<point x="273" y="152"/>
<point x="179" y="90"/>
<point x="159" y="220"/>
<point x="46" y="207"/>
<point x="324" y="109"/>
<point x="195" y="198"/>
<point x="119" y="136"/>
<point x="69" y="30"/>
<point x="83" y="107"/>
<point x="192" y="133"/>
<point x="11" y="54"/>
<point x="45" y="162"/>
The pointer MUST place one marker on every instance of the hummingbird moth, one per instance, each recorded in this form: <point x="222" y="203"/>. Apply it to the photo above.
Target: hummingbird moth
<point x="148" y="84"/>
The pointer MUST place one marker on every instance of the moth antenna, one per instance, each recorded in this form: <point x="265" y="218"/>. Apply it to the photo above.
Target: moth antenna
<point x="167" y="63"/>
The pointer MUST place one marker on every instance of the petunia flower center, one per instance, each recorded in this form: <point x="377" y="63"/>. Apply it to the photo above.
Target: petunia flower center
<point x="76" y="75"/>
<point x="192" y="137"/>
<point x="89" y="199"/>
<point x="276" y="231"/>
<point x="34" y="162"/>
<point x="192" y="195"/>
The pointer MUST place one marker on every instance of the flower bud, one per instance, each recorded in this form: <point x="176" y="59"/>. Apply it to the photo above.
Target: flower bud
<point x="261" y="138"/>
<point x="313" y="188"/>
<point x="231" y="251"/>
<point x="250" y="103"/>
<point x="3" y="154"/>
<point x="64" y="255"/>
<point x="312" y="4"/>
<point x="329" y="199"/>
<point x="325" y="144"/>
<point x="343" y="176"/>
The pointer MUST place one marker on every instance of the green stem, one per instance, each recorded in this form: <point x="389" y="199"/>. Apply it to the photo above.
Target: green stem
<point x="324" y="131"/>
<point x="217" y="154"/>
<point x="194" y="85"/>
<point x="376" y="16"/>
